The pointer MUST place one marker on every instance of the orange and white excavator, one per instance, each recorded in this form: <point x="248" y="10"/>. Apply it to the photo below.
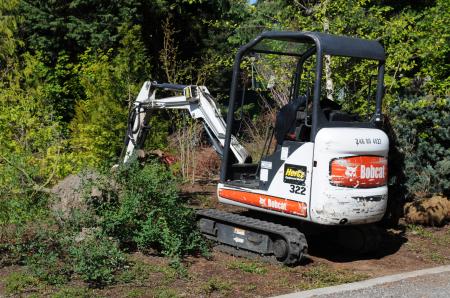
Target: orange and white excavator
<point x="327" y="169"/>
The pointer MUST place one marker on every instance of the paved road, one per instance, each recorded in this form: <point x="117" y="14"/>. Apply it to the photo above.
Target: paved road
<point x="433" y="282"/>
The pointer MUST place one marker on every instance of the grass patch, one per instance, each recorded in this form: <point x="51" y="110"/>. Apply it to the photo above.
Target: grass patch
<point x="137" y="273"/>
<point x="419" y="231"/>
<point x="425" y="253"/>
<point x="250" y="267"/>
<point x="135" y="293"/>
<point x="250" y="288"/>
<point x="323" y="276"/>
<point x="140" y="272"/>
<point x="165" y="293"/>
<point x="436" y="257"/>
<point x="215" y="284"/>
<point x="422" y="232"/>
<point x="73" y="292"/>
<point x="19" y="282"/>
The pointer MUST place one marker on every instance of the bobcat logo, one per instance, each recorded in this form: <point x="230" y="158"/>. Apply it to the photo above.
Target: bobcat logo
<point x="350" y="171"/>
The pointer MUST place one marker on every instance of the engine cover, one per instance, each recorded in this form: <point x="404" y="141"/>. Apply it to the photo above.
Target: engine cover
<point x="349" y="183"/>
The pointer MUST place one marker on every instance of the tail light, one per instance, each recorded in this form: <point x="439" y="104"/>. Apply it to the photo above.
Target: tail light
<point x="359" y="171"/>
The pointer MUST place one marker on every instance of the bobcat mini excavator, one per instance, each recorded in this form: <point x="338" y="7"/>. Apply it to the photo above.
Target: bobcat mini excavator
<point x="327" y="170"/>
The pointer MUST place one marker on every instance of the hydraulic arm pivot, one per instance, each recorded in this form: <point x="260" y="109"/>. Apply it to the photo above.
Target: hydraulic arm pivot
<point x="195" y="99"/>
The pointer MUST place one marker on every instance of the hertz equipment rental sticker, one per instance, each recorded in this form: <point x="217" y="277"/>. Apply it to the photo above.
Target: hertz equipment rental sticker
<point x="294" y="174"/>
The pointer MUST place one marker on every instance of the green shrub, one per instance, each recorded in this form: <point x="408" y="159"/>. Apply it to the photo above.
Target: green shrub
<point x="109" y="79"/>
<point x="50" y="266"/>
<point x="421" y="157"/>
<point x="42" y="247"/>
<point x="53" y="253"/>
<point x="97" y="260"/>
<point x="148" y="213"/>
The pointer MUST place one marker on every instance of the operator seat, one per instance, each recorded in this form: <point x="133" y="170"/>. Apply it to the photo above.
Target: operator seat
<point x="286" y="119"/>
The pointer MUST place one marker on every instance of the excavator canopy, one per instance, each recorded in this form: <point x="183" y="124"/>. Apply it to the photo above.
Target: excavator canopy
<point x="304" y="45"/>
<point x="326" y="44"/>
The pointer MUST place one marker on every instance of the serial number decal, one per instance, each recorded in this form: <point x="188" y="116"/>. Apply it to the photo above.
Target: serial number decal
<point x="367" y="141"/>
<point x="294" y="174"/>
<point x="297" y="189"/>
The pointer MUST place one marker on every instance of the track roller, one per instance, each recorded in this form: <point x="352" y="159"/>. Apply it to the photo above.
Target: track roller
<point x="280" y="249"/>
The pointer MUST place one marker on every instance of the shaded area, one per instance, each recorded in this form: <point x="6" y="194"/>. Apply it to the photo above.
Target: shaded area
<point x="326" y="246"/>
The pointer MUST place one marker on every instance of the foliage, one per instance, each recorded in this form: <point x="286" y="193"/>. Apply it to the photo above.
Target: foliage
<point x="74" y="26"/>
<point x="147" y="212"/>
<point x="30" y="143"/>
<point x="139" y="207"/>
<point x="421" y="127"/>
<point x="97" y="259"/>
<point x="63" y="88"/>
<point x="109" y="83"/>
<point x="53" y="253"/>
<point x="19" y="282"/>
<point x="8" y="40"/>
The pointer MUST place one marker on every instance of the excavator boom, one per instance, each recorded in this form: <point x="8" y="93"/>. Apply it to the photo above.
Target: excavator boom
<point x="195" y="99"/>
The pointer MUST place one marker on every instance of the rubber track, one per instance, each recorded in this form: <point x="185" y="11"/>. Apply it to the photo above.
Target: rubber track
<point x="246" y="254"/>
<point x="294" y="238"/>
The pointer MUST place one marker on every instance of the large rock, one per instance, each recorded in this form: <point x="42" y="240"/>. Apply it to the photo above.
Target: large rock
<point x="70" y="194"/>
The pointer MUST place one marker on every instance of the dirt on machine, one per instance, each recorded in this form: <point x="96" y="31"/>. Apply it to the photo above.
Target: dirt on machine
<point x="322" y="168"/>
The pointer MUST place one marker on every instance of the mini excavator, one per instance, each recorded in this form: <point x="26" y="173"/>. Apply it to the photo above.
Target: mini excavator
<point x="327" y="170"/>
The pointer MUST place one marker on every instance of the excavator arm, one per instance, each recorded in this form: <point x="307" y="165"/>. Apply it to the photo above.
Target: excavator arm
<point x="195" y="99"/>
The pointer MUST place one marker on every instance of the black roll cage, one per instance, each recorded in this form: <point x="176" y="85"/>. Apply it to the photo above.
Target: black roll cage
<point x="323" y="44"/>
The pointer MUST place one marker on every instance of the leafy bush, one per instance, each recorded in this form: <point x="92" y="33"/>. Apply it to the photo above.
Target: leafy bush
<point x="50" y="266"/>
<point x="97" y="259"/>
<point x="148" y="213"/>
<point x="138" y="206"/>
<point x="53" y="253"/>
<point x="422" y="139"/>
<point x="41" y="247"/>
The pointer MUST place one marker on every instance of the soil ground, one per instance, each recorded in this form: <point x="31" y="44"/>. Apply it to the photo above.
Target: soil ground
<point x="405" y="248"/>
